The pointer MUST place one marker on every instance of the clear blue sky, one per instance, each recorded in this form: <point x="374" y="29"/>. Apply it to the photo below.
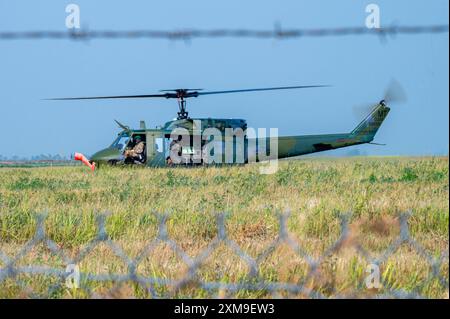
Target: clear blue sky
<point x="359" y="68"/>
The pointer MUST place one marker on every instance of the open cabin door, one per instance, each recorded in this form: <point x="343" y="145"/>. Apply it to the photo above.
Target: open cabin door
<point x="156" y="149"/>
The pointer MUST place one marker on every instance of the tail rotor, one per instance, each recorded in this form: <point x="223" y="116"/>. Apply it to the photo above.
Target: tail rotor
<point x="394" y="94"/>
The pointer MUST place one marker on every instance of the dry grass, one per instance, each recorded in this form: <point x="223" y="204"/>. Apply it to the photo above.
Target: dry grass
<point x="315" y="191"/>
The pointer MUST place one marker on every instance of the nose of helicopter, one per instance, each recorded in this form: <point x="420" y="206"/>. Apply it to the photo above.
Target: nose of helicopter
<point x="106" y="155"/>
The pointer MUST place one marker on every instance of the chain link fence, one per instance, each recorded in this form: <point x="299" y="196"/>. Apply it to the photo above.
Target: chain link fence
<point x="10" y="268"/>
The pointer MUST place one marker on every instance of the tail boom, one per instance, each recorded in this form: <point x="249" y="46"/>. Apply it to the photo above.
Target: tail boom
<point x="289" y="146"/>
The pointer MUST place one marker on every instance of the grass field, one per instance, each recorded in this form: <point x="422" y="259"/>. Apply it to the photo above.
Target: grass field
<point x="316" y="191"/>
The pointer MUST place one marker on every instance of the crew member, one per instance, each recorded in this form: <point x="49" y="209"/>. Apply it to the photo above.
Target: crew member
<point x="137" y="152"/>
<point x="176" y="151"/>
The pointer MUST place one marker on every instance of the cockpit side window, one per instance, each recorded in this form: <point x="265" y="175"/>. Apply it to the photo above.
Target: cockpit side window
<point x="121" y="142"/>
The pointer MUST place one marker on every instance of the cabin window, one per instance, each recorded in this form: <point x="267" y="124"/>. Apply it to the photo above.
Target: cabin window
<point x="159" y="144"/>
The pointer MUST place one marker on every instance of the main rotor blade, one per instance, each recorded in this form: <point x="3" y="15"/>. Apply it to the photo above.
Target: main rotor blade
<point x="109" y="97"/>
<point x="263" y="89"/>
<point x="185" y="93"/>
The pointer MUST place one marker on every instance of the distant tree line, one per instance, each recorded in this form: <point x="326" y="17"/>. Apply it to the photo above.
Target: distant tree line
<point x="41" y="157"/>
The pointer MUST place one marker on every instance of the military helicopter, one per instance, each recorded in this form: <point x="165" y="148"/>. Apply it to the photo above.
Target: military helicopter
<point x="198" y="148"/>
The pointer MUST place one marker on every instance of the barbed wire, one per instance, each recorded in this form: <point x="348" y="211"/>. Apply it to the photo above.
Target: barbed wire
<point x="253" y="282"/>
<point x="189" y="34"/>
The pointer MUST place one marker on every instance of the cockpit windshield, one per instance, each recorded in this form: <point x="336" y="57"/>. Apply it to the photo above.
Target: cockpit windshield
<point x="121" y="141"/>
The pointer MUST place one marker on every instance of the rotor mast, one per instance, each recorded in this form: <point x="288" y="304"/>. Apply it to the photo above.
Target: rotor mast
<point x="182" y="113"/>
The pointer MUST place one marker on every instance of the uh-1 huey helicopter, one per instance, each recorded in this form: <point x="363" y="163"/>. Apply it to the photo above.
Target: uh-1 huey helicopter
<point x="158" y="141"/>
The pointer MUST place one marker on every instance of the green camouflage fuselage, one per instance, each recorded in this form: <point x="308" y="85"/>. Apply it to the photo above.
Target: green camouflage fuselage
<point x="253" y="148"/>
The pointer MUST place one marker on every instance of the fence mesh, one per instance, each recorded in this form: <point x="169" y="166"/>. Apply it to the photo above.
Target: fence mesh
<point x="11" y="269"/>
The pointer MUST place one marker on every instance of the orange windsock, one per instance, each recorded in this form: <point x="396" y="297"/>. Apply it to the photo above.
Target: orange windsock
<point x="82" y="158"/>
